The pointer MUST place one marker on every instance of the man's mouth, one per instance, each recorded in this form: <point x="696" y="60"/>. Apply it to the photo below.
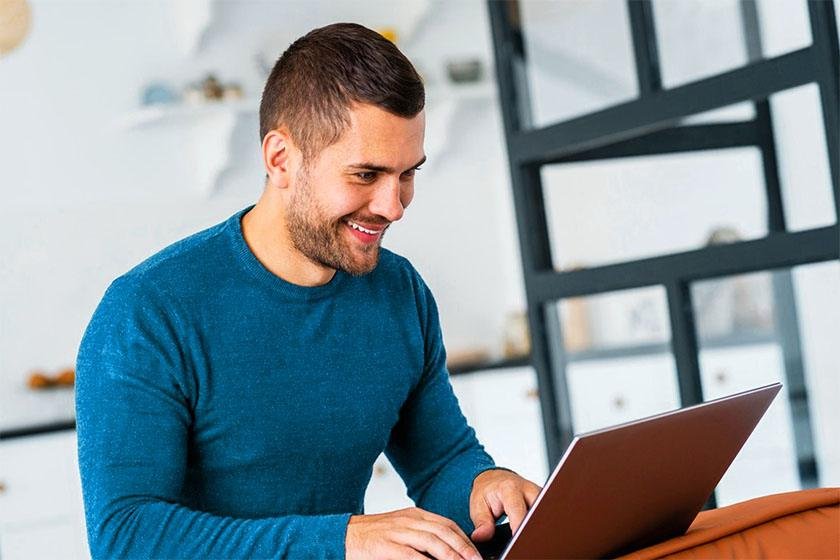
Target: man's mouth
<point x="364" y="234"/>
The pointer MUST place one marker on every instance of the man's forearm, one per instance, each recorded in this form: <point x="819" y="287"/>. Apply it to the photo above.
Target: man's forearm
<point x="149" y="528"/>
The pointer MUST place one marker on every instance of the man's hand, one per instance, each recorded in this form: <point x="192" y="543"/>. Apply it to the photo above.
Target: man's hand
<point x="407" y="533"/>
<point x="495" y="492"/>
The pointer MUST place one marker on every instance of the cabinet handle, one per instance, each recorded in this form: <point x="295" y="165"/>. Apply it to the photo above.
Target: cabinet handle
<point x="533" y="393"/>
<point x="379" y="471"/>
<point x="721" y="376"/>
<point x="2" y="487"/>
<point x="619" y="402"/>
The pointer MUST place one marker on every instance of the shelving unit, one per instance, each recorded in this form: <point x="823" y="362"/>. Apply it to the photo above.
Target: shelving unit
<point x="162" y="114"/>
<point x="649" y="125"/>
<point x="213" y="123"/>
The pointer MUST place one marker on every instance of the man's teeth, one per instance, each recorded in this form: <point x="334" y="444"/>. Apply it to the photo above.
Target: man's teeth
<point x="354" y="225"/>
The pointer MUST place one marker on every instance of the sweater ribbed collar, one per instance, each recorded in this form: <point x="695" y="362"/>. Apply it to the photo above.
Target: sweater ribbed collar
<point x="249" y="262"/>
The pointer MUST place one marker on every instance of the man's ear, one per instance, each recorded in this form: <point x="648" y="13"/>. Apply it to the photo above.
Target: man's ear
<point x="276" y="150"/>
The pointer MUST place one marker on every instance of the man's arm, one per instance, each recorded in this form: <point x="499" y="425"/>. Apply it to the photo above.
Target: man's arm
<point x="432" y="447"/>
<point x="133" y="420"/>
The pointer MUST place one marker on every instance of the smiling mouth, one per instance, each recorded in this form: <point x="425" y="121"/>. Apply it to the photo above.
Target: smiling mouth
<point x="365" y="234"/>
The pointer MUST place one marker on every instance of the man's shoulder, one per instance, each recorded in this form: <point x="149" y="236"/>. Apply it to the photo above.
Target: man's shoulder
<point x="183" y="263"/>
<point x="399" y="276"/>
<point x="393" y="266"/>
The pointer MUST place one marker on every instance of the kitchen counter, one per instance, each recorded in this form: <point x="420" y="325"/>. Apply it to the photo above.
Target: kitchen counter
<point x="27" y="412"/>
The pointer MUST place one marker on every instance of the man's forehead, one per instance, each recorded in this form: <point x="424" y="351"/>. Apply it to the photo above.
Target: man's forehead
<point x="381" y="138"/>
<point x="372" y="123"/>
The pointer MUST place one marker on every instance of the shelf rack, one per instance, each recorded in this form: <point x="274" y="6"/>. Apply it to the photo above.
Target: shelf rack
<point x="647" y="125"/>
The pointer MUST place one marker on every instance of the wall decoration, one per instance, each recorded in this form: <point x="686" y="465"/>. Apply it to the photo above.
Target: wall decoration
<point x="15" y="23"/>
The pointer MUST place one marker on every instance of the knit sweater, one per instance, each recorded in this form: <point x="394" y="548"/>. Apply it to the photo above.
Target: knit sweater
<point x="223" y="412"/>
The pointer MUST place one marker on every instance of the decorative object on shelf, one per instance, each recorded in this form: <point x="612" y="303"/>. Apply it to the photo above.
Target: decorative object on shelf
<point x="517" y="340"/>
<point x="38" y="380"/>
<point x="577" y="335"/>
<point x="636" y="316"/>
<point x="725" y="306"/>
<point x="468" y="356"/>
<point x="211" y="90"/>
<point x="15" y="23"/>
<point x="232" y="92"/>
<point x="158" y="93"/>
<point x="389" y="33"/>
<point x="465" y="71"/>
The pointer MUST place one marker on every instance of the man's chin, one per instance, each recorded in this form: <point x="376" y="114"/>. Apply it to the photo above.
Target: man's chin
<point x="363" y="262"/>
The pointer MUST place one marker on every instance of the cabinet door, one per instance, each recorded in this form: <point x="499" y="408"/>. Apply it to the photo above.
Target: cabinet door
<point x="767" y="464"/>
<point x="606" y="392"/>
<point x="41" y="512"/>
<point x="386" y="490"/>
<point x="503" y="407"/>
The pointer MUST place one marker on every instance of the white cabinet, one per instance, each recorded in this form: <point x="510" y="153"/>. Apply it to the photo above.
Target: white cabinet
<point x="606" y="392"/>
<point x="767" y="464"/>
<point x="41" y="512"/>
<point x="386" y="491"/>
<point x="502" y="405"/>
<point x="610" y="391"/>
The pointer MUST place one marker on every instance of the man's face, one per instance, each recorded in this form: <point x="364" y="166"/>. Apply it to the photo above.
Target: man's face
<point x="342" y="202"/>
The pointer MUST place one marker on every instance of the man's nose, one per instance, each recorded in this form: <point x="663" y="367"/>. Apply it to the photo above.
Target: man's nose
<point x="386" y="200"/>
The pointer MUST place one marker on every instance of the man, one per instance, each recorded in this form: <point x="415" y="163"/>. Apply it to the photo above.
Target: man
<point x="235" y="389"/>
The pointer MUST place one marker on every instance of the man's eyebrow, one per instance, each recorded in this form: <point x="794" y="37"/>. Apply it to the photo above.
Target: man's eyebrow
<point x="382" y="168"/>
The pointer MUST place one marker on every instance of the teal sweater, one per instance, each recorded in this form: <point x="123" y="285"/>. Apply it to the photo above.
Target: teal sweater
<point x="225" y="413"/>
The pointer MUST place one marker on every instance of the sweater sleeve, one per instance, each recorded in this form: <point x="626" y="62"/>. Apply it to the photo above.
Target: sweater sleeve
<point x="432" y="447"/>
<point x="133" y="409"/>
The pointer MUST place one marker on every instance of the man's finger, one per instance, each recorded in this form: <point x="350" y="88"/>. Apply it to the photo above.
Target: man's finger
<point x="532" y="491"/>
<point x="515" y="507"/>
<point x="445" y="521"/>
<point x="483" y="519"/>
<point x="457" y="540"/>
<point x="429" y="542"/>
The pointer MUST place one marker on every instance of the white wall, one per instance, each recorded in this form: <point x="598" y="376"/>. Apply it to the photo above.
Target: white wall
<point x="84" y="198"/>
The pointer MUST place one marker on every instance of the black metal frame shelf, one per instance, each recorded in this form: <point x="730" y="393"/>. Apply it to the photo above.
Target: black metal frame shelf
<point x="652" y="125"/>
<point x="776" y="250"/>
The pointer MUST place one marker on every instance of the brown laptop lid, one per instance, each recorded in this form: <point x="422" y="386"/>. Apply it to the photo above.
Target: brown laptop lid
<point x="622" y="488"/>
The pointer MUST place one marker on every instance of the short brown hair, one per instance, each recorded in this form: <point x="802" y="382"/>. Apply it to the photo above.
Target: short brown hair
<point x="313" y="84"/>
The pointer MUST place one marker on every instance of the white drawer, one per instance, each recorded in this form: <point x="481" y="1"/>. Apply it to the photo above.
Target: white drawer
<point x="51" y="539"/>
<point x="41" y="511"/>
<point x="612" y="391"/>
<point x="505" y="412"/>
<point x="386" y="491"/>
<point x="38" y="474"/>
<point x="751" y="476"/>
<point x="767" y="463"/>
<point x="725" y="371"/>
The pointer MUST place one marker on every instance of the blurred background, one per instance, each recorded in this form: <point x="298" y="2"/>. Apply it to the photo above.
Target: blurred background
<point x="126" y="125"/>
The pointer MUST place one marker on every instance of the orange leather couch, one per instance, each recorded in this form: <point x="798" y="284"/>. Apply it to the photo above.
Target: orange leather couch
<point x="794" y="525"/>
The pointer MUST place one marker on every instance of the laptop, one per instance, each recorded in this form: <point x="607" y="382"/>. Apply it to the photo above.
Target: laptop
<point x="622" y="488"/>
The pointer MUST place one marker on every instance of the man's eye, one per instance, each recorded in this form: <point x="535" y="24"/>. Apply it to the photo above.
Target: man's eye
<point x="411" y="172"/>
<point x="366" y="176"/>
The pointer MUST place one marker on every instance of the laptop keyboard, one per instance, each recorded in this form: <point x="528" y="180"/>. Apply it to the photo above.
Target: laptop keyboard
<point x="493" y="549"/>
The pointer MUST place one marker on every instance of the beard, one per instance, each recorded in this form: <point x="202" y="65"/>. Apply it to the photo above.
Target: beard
<point x="321" y="239"/>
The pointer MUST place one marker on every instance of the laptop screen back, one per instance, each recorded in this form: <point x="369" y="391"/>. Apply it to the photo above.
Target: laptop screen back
<point x="629" y="486"/>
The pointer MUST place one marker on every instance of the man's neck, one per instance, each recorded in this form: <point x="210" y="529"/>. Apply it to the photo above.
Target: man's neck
<point x="266" y="234"/>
